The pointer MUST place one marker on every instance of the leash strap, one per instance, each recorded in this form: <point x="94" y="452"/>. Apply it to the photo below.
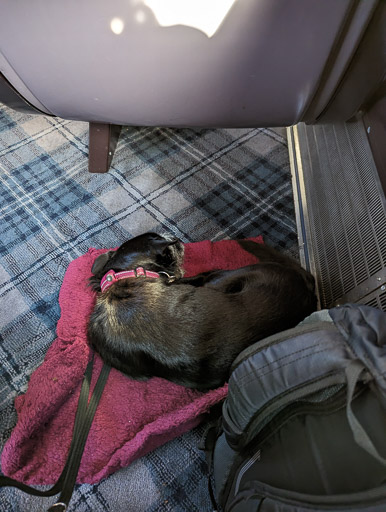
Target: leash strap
<point x="84" y="416"/>
<point x="361" y="437"/>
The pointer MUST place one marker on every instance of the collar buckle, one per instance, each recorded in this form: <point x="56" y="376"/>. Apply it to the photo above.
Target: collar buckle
<point x="140" y="272"/>
<point x="171" y="278"/>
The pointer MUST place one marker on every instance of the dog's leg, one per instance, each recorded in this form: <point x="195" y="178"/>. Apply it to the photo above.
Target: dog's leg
<point x="201" y="279"/>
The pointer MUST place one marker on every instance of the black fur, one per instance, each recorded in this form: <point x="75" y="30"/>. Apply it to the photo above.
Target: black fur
<point x="189" y="330"/>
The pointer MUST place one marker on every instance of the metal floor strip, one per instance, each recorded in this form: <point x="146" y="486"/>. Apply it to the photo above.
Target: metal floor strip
<point x="341" y="212"/>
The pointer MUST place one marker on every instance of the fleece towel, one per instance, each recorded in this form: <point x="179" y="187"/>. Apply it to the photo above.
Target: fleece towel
<point x="132" y="417"/>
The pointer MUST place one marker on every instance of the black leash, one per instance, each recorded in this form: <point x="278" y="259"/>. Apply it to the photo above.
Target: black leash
<point x="83" y="420"/>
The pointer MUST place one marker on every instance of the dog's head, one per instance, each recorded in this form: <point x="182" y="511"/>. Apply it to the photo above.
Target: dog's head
<point x="150" y="251"/>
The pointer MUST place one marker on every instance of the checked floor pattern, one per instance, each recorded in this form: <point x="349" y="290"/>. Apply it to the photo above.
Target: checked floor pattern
<point x="195" y="184"/>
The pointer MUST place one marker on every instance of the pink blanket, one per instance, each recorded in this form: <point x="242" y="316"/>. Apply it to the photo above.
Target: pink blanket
<point x="132" y="417"/>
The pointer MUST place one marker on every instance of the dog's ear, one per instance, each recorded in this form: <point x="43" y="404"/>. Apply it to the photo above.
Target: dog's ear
<point x="164" y="242"/>
<point x="101" y="261"/>
<point x="163" y="251"/>
<point x="161" y="246"/>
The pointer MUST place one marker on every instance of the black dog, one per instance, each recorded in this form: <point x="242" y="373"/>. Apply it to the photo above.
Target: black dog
<point x="189" y="330"/>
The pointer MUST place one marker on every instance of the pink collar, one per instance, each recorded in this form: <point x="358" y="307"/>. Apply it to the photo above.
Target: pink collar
<point x="111" y="277"/>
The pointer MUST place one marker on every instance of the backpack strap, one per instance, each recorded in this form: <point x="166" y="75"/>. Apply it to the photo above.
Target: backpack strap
<point x="364" y="330"/>
<point x="212" y="432"/>
<point x="353" y="371"/>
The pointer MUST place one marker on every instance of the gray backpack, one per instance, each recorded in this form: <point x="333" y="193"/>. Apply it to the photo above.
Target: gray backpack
<point x="304" y="425"/>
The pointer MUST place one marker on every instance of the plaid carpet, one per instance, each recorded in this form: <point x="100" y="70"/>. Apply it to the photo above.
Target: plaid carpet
<point x="195" y="184"/>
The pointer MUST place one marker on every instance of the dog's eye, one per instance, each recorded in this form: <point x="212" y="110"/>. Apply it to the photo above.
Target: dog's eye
<point x="166" y="256"/>
<point x="235" y="286"/>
